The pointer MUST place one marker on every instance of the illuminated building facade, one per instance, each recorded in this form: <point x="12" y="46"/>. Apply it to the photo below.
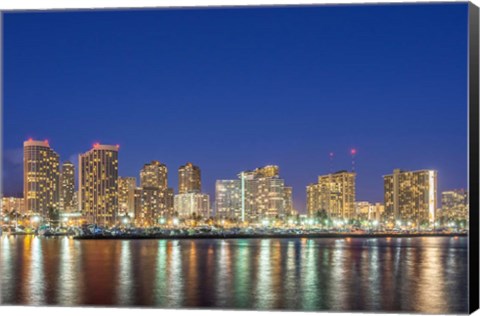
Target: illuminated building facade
<point x="151" y="205"/>
<point x="288" y="200"/>
<point x="228" y="199"/>
<point x="154" y="175"/>
<point x="333" y="195"/>
<point x="410" y="198"/>
<point x="454" y="206"/>
<point x="366" y="211"/>
<point x="189" y="179"/>
<point x="258" y="194"/>
<point x="192" y="205"/>
<point x="41" y="177"/>
<point x="98" y="184"/>
<point x="10" y="204"/>
<point x="67" y="187"/>
<point x="363" y="209"/>
<point x="154" y="197"/>
<point x="126" y="196"/>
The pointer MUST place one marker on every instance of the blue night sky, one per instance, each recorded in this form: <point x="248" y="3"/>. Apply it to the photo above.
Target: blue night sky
<point x="235" y="89"/>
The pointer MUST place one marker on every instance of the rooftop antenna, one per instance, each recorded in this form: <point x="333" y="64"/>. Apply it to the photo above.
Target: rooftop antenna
<point x="331" y="161"/>
<point x="353" y="152"/>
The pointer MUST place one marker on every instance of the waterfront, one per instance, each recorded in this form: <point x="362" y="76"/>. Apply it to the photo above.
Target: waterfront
<point x="416" y="274"/>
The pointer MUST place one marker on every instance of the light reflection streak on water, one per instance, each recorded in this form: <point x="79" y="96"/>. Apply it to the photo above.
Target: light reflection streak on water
<point x="124" y="283"/>
<point x="290" y="285"/>
<point x="161" y="287"/>
<point x="192" y="288"/>
<point x="36" y="284"/>
<point x="68" y="280"/>
<point x="175" y="276"/>
<point x="309" y="275"/>
<point x="337" y="291"/>
<point x="242" y="274"/>
<point x="374" y="276"/>
<point x="6" y="271"/>
<point x="223" y="265"/>
<point x="264" y="276"/>
<point x="431" y="276"/>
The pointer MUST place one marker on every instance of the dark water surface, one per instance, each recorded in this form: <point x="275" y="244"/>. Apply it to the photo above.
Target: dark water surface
<point x="422" y="274"/>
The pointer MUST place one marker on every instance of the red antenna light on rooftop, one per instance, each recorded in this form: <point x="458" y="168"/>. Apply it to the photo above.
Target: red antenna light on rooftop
<point x="96" y="145"/>
<point x="30" y="139"/>
<point x="353" y="152"/>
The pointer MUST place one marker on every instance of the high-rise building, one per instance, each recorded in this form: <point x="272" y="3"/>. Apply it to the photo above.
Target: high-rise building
<point x="189" y="179"/>
<point x="288" y="200"/>
<point x="41" y="177"/>
<point x="11" y="204"/>
<point x="98" y="184"/>
<point x="333" y="195"/>
<point x="192" y="205"/>
<point x="454" y="206"/>
<point x="154" y="197"/>
<point x="126" y="196"/>
<point x="228" y="199"/>
<point x="67" y="187"/>
<point x="410" y="198"/>
<point x="256" y="195"/>
<point x="154" y="175"/>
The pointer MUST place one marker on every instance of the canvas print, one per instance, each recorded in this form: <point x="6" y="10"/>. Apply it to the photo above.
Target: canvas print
<point x="294" y="158"/>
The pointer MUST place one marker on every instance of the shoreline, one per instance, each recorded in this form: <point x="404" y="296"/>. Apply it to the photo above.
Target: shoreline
<point x="270" y="236"/>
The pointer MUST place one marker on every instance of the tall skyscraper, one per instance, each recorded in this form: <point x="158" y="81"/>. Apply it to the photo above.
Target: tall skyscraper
<point x="256" y="195"/>
<point x="67" y="187"/>
<point x="454" y="206"/>
<point x="98" y="189"/>
<point x="154" y="175"/>
<point x="126" y="196"/>
<point x="41" y="177"/>
<point x="189" y="179"/>
<point x="333" y="195"/>
<point x="411" y="198"/>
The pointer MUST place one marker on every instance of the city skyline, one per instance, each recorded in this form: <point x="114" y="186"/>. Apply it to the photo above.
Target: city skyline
<point x="175" y="190"/>
<point x="232" y="105"/>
